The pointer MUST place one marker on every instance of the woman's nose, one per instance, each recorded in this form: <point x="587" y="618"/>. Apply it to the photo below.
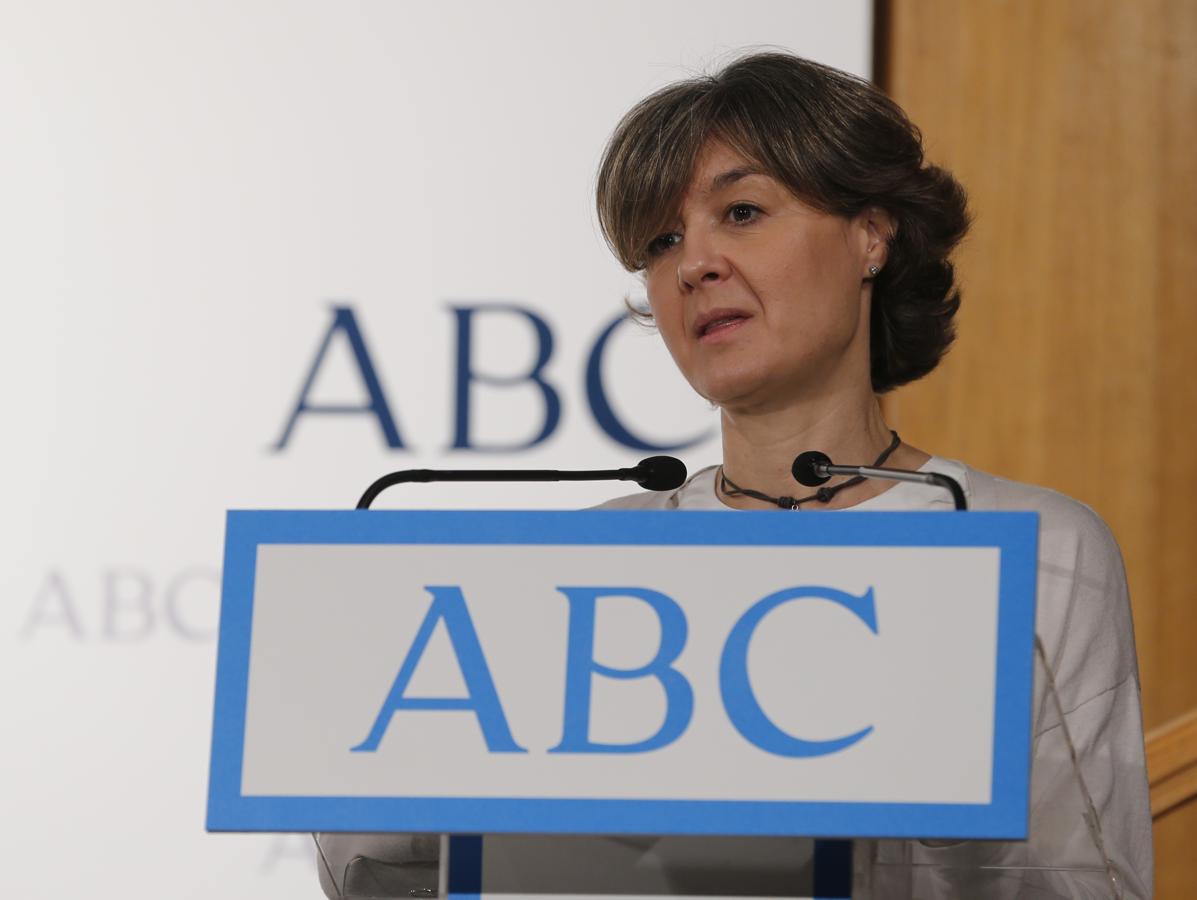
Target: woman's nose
<point x="701" y="263"/>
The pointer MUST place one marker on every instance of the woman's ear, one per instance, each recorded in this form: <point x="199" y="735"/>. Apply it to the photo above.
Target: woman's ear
<point x="878" y="228"/>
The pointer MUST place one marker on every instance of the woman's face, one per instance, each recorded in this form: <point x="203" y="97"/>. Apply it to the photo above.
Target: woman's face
<point x="759" y="297"/>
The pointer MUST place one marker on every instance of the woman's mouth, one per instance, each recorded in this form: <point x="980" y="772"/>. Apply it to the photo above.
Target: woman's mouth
<point x="719" y="324"/>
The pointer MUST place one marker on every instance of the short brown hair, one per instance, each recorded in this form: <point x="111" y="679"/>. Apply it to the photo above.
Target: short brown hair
<point x="840" y="145"/>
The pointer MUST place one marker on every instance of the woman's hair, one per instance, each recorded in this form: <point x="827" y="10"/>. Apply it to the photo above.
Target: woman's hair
<point x="840" y="145"/>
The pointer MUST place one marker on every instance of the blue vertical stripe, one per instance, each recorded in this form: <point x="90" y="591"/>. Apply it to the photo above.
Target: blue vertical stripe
<point x="465" y="867"/>
<point x="833" y="870"/>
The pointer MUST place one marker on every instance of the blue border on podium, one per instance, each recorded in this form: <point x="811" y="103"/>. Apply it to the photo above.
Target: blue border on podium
<point x="1015" y="534"/>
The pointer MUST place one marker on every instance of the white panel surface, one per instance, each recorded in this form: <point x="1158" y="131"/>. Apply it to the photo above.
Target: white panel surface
<point x="332" y="626"/>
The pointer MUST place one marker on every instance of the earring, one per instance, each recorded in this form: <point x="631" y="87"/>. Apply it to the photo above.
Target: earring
<point x="874" y="271"/>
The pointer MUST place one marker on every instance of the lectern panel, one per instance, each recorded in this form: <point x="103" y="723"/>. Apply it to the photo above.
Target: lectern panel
<point x="862" y="674"/>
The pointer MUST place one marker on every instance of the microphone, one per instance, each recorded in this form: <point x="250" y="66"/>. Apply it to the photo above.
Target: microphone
<point x="813" y="468"/>
<point x="657" y="473"/>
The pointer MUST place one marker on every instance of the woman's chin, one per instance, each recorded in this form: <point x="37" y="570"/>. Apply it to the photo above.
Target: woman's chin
<point x="735" y="392"/>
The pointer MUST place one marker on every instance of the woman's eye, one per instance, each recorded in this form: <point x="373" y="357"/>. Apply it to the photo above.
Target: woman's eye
<point x="661" y="243"/>
<point x="742" y="213"/>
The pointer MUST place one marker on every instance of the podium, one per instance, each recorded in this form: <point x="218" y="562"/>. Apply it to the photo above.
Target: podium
<point x="653" y="677"/>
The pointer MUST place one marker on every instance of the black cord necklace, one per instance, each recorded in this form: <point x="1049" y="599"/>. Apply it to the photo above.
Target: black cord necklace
<point x="823" y="495"/>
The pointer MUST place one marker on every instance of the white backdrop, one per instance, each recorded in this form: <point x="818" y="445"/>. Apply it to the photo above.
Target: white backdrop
<point x="187" y="191"/>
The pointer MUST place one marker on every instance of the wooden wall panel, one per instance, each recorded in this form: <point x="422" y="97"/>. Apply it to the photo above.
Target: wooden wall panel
<point x="1073" y="124"/>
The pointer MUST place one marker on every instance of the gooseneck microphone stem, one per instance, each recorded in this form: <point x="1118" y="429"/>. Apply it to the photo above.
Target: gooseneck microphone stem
<point x="933" y="478"/>
<point x="409" y="476"/>
<point x="657" y="473"/>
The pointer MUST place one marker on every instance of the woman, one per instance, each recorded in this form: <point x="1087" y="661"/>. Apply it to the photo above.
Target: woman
<point x="794" y="246"/>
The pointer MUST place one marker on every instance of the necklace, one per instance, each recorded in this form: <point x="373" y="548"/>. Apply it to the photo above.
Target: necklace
<point x="823" y="495"/>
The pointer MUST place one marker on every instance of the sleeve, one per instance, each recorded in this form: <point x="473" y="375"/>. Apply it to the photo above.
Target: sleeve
<point x="1090" y="803"/>
<point x="1090" y="816"/>
<point x="399" y="865"/>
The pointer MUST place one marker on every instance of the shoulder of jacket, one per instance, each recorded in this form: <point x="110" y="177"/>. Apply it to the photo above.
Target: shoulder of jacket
<point x="1060" y="517"/>
<point x="643" y="500"/>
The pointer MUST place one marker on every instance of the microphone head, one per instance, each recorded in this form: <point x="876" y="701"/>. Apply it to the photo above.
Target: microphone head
<point x="660" y="473"/>
<point x="806" y="468"/>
